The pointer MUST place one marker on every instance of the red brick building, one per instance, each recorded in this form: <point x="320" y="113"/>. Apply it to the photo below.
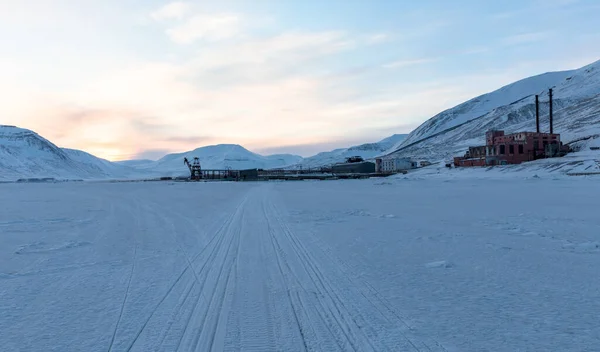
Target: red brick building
<point x="515" y="148"/>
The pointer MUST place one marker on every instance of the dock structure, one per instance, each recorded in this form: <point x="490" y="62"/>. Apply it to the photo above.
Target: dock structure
<point x="268" y="175"/>
<point x="314" y="174"/>
<point x="353" y="168"/>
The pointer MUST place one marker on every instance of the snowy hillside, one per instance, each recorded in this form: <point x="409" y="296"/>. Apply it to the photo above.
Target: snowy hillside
<point x="483" y="104"/>
<point x="101" y="166"/>
<point x="25" y="154"/>
<point x="367" y="151"/>
<point x="512" y="108"/>
<point x="221" y="156"/>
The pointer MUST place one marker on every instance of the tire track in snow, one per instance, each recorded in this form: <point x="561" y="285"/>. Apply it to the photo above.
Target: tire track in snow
<point x="205" y="268"/>
<point x="333" y="311"/>
<point x="349" y="308"/>
<point x="189" y="266"/>
<point x="135" y="251"/>
<point x="287" y="282"/>
<point x="384" y="307"/>
<point x="218" y="328"/>
<point x="217" y="301"/>
<point x="253" y="249"/>
<point x="385" y="310"/>
<point x="331" y="320"/>
<point x="251" y="322"/>
<point x="174" y="314"/>
<point x="210" y="258"/>
<point x="219" y="253"/>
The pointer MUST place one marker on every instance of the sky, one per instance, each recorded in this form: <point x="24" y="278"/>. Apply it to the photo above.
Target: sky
<point x="128" y="79"/>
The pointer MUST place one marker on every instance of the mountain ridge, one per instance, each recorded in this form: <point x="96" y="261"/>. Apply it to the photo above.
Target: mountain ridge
<point x="365" y="150"/>
<point x="483" y="104"/>
<point x="26" y="154"/>
<point x="218" y="156"/>
<point x="576" y="115"/>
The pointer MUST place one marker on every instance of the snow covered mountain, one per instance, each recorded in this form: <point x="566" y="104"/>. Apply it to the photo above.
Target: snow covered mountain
<point x="511" y="108"/>
<point x="234" y="156"/>
<point x="101" y="166"/>
<point x="221" y="156"/>
<point x="367" y="151"/>
<point x="25" y="154"/>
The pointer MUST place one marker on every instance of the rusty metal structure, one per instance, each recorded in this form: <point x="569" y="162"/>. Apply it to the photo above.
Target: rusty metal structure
<point x="195" y="168"/>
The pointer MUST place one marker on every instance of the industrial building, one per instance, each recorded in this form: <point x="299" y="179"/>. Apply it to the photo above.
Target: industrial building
<point x="391" y="164"/>
<point x="515" y="148"/>
<point x="361" y="167"/>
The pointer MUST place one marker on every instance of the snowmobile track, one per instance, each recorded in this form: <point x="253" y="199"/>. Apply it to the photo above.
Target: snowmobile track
<point x="190" y="266"/>
<point x="127" y="290"/>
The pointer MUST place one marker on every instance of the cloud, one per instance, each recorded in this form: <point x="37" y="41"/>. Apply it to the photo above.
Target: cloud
<point x="172" y="11"/>
<point x="406" y="63"/>
<point x="209" y="27"/>
<point x="554" y="3"/>
<point x="270" y="103"/>
<point x="474" y="50"/>
<point x="253" y="57"/>
<point x="507" y="15"/>
<point x="525" y="38"/>
<point x="187" y="24"/>
<point x="146" y="125"/>
<point x="290" y="89"/>
<point x="378" y="38"/>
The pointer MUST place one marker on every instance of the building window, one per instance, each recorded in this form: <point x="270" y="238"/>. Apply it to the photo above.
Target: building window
<point x="502" y="149"/>
<point x="520" y="148"/>
<point x="511" y="149"/>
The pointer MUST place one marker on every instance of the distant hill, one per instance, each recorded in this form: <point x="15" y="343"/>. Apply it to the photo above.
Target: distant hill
<point x="221" y="156"/>
<point x="25" y="154"/>
<point x="366" y="151"/>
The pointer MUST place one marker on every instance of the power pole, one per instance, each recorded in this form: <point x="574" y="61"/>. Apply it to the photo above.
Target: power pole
<point x="551" y="125"/>
<point x="537" y="114"/>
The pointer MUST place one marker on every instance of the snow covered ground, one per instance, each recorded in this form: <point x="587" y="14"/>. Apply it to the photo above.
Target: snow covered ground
<point x="398" y="264"/>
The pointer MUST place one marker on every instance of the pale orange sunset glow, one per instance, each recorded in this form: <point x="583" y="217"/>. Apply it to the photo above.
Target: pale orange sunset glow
<point x="145" y="78"/>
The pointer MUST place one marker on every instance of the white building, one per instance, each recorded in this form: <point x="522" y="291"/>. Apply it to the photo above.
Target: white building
<point x="391" y="164"/>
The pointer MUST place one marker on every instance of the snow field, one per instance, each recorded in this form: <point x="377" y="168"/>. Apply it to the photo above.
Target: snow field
<point x="363" y="265"/>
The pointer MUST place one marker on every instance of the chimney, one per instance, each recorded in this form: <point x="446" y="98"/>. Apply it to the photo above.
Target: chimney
<point x="551" y="122"/>
<point x="537" y="114"/>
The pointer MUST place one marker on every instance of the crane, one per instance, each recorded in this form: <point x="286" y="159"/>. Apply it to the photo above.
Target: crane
<point x="195" y="169"/>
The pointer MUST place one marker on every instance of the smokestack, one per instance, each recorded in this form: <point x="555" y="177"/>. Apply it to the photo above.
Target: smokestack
<point x="537" y="114"/>
<point x="551" y="125"/>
